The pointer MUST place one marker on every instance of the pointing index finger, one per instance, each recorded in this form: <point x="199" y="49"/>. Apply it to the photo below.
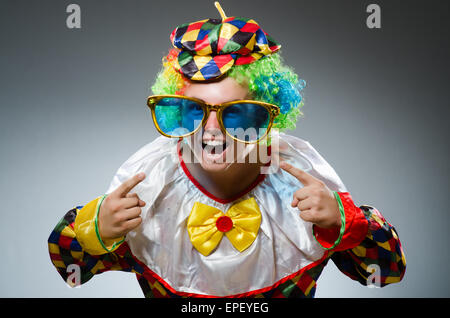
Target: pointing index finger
<point x="301" y="175"/>
<point x="129" y="184"/>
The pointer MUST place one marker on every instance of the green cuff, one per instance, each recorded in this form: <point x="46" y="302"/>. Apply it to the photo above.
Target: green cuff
<point x="342" y="229"/>
<point x="116" y="244"/>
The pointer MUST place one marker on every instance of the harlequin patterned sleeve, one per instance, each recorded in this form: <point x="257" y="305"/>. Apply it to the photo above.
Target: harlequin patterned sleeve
<point x="370" y="251"/>
<point x="379" y="258"/>
<point x="67" y="254"/>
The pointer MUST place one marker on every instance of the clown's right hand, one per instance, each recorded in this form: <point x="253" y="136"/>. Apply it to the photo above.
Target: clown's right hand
<point x="120" y="211"/>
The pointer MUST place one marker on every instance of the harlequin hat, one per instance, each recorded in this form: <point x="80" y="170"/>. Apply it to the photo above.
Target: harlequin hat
<point x="207" y="49"/>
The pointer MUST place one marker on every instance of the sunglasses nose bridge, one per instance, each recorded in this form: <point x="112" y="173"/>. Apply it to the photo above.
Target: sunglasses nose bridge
<point x="213" y="108"/>
<point x="212" y="120"/>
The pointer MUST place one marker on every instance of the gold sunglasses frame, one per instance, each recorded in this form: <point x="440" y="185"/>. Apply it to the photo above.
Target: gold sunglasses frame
<point x="273" y="111"/>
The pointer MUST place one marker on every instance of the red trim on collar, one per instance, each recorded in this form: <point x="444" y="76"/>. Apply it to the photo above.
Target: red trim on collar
<point x="259" y="179"/>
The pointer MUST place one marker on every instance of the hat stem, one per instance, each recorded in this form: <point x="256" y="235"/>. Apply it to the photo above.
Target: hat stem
<point x="219" y="8"/>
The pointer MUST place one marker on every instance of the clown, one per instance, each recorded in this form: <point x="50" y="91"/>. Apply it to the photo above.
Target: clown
<point x="200" y="211"/>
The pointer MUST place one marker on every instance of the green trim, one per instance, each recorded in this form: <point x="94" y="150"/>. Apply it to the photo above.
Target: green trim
<point x="97" y="232"/>
<point x="342" y="230"/>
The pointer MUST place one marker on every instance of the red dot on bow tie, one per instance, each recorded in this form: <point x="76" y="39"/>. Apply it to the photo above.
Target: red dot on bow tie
<point x="224" y="223"/>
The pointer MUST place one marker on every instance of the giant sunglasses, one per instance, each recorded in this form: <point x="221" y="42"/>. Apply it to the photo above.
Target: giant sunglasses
<point x="179" y="116"/>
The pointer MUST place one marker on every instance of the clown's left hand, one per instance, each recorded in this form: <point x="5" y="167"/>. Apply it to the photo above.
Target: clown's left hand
<point x="316" y="202"/>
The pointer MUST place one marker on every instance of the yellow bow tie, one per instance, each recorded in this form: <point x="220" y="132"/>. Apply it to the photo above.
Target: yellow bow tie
<point x="206" y="225"/>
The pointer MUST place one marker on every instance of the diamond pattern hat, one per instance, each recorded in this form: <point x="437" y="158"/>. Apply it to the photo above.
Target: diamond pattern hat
<point x="207" y="49"/>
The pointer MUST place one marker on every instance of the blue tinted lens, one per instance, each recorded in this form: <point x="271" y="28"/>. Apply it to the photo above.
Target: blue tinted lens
<point x="178" y="116"/>
<point x="246" y="121"/>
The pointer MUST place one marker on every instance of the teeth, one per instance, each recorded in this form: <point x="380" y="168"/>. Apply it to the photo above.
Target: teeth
<point x="213" y="143"/>
<point x="213" y="147"/>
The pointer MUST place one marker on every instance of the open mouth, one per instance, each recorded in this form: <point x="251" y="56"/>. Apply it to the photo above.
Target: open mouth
<point x="214" y="147"/>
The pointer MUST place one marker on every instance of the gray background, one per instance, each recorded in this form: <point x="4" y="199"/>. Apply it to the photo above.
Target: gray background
<point x="73" y="109"/>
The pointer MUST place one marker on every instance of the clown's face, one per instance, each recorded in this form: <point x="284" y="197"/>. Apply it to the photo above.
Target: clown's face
<point x="214" y="150"/>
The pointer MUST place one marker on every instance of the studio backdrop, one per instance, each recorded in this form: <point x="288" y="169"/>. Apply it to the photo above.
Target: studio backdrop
<point x="73" y="109"/>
